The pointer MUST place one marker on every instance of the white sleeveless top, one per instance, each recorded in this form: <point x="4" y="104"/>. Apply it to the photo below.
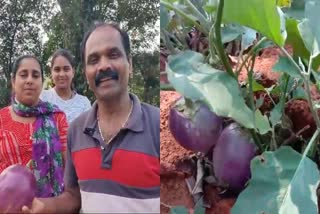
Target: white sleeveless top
<point x="72" y="107"/>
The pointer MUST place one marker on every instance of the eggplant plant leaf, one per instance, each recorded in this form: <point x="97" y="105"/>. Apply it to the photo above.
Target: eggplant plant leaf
<point x="275" y="115"/>
<point x="231" y="32"/>
<point x="301" y="38"/>
<point x="248" y="38"/>
<point x="295" y="40"/>
<point x="308" y="37"/>
<point x="196" y="80"/>
<point x="283" y="181"/>
<point x="299" y="93"/>
<point x="262" y="16"/>
<point x="284" y="65"/>
<point x="312" y="9"/>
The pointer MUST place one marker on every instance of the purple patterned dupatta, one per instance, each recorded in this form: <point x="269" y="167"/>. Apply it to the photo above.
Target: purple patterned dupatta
<point x="47" y="162"/>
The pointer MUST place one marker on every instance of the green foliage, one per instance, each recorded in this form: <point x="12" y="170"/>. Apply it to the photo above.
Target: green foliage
<point x="196" y="80"/>
<point x="256" y="14"/>
<point x="20" y="23"/>
<point x="284" y="179"/>
<point x="68" y="26"/>
<point x="284" y="65"/>
<point x="285" y="182"/>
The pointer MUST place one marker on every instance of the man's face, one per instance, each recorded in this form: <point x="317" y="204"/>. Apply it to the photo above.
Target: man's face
<point x="104" y="52"/>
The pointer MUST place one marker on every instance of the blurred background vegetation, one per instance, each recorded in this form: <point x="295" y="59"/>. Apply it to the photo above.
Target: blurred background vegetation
<point x="40" y="27"/>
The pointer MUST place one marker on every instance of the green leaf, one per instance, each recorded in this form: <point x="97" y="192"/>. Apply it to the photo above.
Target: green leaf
<point x="179" y="210"/>
<point x="262" y="122"/>
<point x="248" y="38"/>
<point x="194" y="79"/>
<point x="282" y="182"/>
<point x="259" y="102"/>
<point x="256" y="86"/>
<point x="301" y="38"/>
<point x="307" y="36"/>
<point x="231" y="32"/>
<point x="284" y="65"/>
<point x="264" y="44"/>
<point x="275" y="115"/>
<point x="262" y="16"/>
<point x="299" y="93"/>
<point x="295" y="40"/>
<point x="312" y="9"/>
<point x="164" y="17"/>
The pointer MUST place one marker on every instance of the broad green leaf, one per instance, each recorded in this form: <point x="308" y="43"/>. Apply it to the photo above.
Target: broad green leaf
<point x="164" y="17"/>
<point x="179" y="210"/>
<point x="248" y="38"/>
<point x="307" y="36"/>
<point x="283" y="182"/>
<point x="231" y="32"/>
<point x="312" y="9"/>
<point x="308" y="40"/>
<point x="262" y="122"/>
<point x="284" y="65"/>
<point x="264" y="44"/>
<point x="294" y="39"/>
<point x="194" y="79"/>
<point x="296" y="10"/>
<point x="262" y="16"/>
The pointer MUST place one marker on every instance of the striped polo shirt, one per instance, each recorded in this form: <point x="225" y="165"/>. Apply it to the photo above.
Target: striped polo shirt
<point x="123" y="176"/>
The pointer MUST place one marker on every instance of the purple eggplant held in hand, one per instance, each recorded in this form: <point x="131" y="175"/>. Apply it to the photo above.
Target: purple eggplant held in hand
<point x="17" y="188"/>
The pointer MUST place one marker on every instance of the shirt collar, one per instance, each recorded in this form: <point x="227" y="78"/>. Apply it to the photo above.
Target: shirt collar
<point x="135" y="121"/>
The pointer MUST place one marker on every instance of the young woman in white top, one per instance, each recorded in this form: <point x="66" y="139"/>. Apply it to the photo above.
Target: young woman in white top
<point x="62" y="73"/>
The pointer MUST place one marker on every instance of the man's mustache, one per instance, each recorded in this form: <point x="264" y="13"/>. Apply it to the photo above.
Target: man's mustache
<point x="109" y="73"/>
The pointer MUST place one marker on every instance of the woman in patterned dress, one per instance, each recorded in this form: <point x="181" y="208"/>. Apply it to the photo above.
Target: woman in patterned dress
<point x="33" y="132"/>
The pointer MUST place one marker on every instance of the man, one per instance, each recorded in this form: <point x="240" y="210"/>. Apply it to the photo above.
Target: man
<point x="113" y="149"/>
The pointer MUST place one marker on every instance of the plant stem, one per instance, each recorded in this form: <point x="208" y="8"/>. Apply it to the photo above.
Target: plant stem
<point x="283" y="96"/>
<point x="215" y="35"/>
<point x="250" y="53"/>
<point x="250" y="78"/>
<point x="186" y="17"/>
<point x="255" y="136"/>
<point x="306" y="80"/>
<point x="310" y="101"/>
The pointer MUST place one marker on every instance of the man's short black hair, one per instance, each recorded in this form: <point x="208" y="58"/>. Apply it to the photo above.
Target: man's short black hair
<point x="124" y="38"/>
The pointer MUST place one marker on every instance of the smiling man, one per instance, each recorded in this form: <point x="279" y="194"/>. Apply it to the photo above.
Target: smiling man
<point x="113" y="149"/>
